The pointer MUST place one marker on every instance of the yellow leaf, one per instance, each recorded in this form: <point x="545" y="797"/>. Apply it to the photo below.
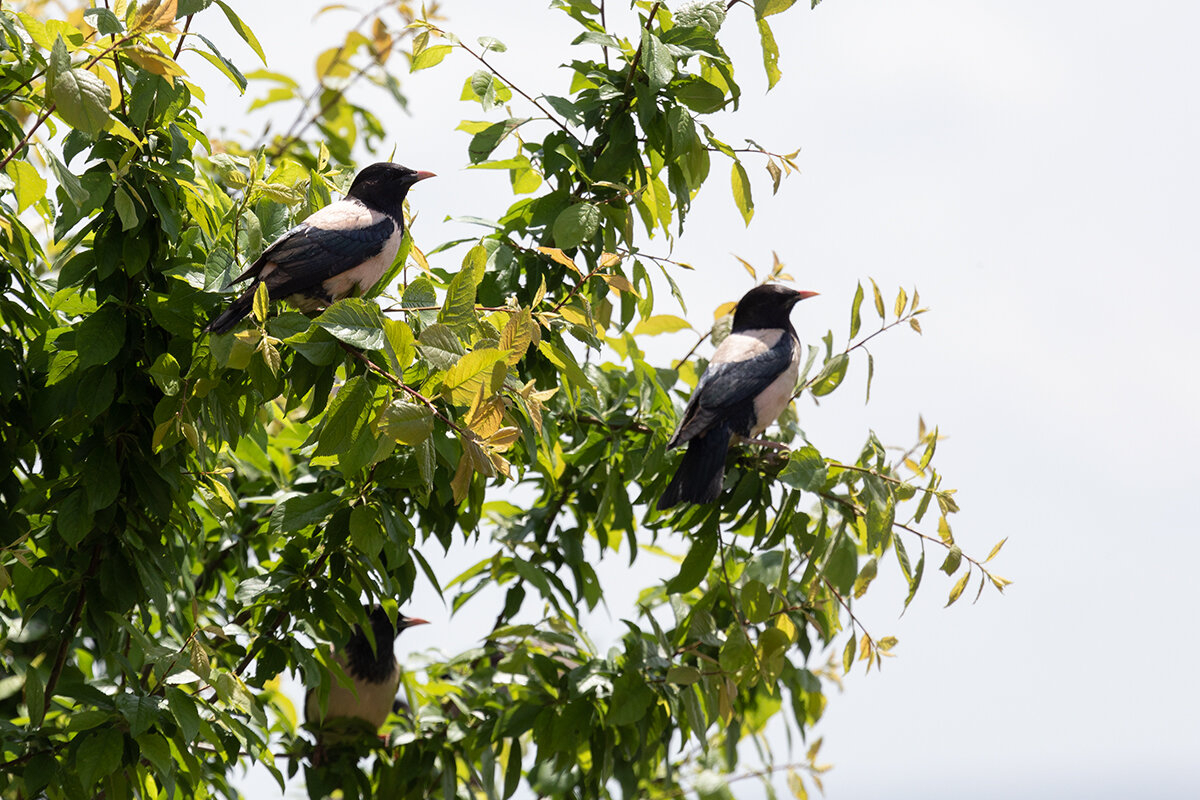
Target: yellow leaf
<point x="462" y="479"/>
<point x="262" y="300"/>
<point x="901" y="301"/>
<point x="878" y="299"/>
<point x="958" y="588"/>
<point x="503" y="439"/>
<point x="419" y="257"/>
<point x="485" y="416"/>
<point x="559" y="257"/>
<point x="517" y="335"/>
<point x="725" y="308"/>
<point x="748" y="266"/>
<point x="609" y="260"/>
<point x="620" y="283"/>
<point x="151" y="60"/>
<point x="660" y="323"/>
<point x="995" y="549"/>
<point x="156" y="15"/>
<point x="574" y="316"/>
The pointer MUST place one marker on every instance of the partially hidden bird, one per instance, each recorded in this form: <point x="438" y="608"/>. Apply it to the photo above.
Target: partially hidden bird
<point x="375" y="674"/>
<point x="748" y="383"/>
<point x="340" y="250"/>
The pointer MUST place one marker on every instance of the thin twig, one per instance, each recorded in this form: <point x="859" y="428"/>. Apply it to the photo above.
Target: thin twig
<point x="521" y="92"/>
<point x="399" y="384"/>
<point x="182" y="37"/>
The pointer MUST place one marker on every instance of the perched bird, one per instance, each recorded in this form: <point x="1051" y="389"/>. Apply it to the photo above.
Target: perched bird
<point x="341" y="250"/>
<point x="748" y="384"/>
<point x="375" y="673"/>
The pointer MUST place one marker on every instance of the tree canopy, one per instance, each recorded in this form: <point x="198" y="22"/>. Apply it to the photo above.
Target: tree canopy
<point x="184" y="517"/>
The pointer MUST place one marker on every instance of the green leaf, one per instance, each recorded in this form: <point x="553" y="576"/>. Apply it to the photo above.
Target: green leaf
<point x="756" y="602"/>
<point x="512" y="769"/>
<point x="842" y="567"/>
<point x="431" y="56"/>
<point x="183" y="708"/>
<point x="100" y="336"/>
<point x="709" y="14"/>
<point x="474" y="370"/>
<point x="683" y="675"/>
<point x="953" y="560"/>
<point x="765" y="8"/>
<point x="242" y="30"/>
<point x="880" y="517"/>
<point x="35" y="697"/>
<point x="831" y="376"/>
<point x="459" y="306"/>
<point x="440" y="346"/>
<point x="141" y="711"/>
<point x="575" y="225"/>
<point x="401" y="346"/>
<point x="81" y="99"/>
<point x="345" y="419"/>
<point x="126" y="208"/>
<point x="28" y="185"/>
<point x="99" y="755"/>
<point x="656" y="61"/>
<point x="406" y="423"/>
<point x="805" y="469"/>
<point x="419" y="294"/>
<point x="301" y="511"/>
<point x="855" y="317"/>
<point x="165" y="372"/>
<point x="700" y="96"/>
<point x="741" y="192"/>
<point x="365" y="531"/>
<point x="865" y="576"/>
<point x="695" y="564"/>
<point x="770" y="54"/>
<point x="356" y="322"/>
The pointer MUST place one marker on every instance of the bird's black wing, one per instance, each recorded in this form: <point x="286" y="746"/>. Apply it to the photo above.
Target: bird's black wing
<point x="727" y="390"/>
<point x="307" y="255"/>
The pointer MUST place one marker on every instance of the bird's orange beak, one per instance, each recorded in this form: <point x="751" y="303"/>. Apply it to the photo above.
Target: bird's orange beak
<point x="415" y="621"/>
<point x="423" y="175"/>
<point x="806" y="295"/>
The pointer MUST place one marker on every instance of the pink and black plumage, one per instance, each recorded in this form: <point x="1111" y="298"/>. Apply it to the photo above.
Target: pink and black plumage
<point x="340" y="250"/>
<point x="747" y="385"/>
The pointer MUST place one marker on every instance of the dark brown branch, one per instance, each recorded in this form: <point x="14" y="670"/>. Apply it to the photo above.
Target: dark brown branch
<point x="60" y="658"/>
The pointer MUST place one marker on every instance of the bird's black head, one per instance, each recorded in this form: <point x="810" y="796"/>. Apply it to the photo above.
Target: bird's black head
<point x="377" y="664"/>
<point x="767" y="306"/>
<point x="383" y="186"/>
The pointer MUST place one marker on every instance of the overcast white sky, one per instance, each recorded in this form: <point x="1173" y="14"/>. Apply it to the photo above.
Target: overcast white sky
<point x="1032" y="168"/>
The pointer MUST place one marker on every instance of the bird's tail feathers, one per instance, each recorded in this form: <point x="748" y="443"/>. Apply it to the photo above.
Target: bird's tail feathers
<point x="701" y="473"/>
<point x="231" y="316"/>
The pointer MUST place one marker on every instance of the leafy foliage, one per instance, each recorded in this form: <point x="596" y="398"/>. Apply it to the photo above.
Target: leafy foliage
<point x="182" y="514"/>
